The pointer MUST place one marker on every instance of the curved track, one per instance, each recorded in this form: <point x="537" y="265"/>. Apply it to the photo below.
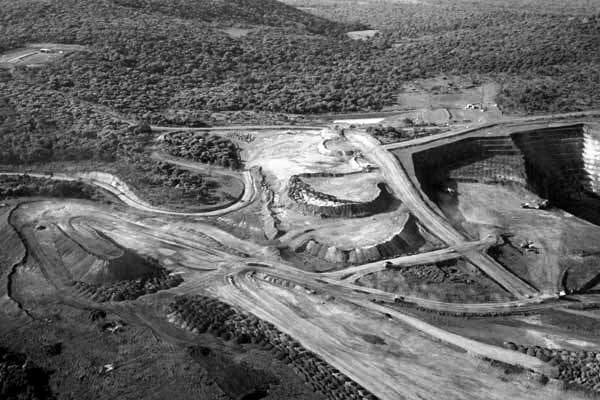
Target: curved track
<point x="117" y="187"/>
<point x="405" y="190"/>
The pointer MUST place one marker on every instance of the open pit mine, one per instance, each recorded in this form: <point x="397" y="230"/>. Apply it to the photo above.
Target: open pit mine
<point x="459" y="265"/>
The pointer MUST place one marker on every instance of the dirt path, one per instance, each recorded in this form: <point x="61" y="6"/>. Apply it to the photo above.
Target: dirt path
<point x="317" y="327"/>
<point x="120" y="189"/>
<point x="406" y="191"/>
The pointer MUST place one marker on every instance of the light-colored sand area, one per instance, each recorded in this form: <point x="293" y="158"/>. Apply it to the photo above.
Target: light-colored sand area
<point x="191" y="245"/>
<point x="282" y="155"/>
<point x="556" y="233"/>
<point x="367" y="231"/>
<point x="387" y="357"/>
<point x="355" y="187"/>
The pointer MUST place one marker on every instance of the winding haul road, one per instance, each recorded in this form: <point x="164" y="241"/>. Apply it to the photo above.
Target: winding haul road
<point x="241" y="280"/>
<point x="123" y="192"/>
<point x="406" y="191"/>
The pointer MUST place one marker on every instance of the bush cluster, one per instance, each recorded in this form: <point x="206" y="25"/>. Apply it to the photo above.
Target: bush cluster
<point x="202" y="314"/>
<point x="130" y="289"/>
<point x="578" y="369"/>
<point x="25" y="185"/>
<point x="204" y="148"/>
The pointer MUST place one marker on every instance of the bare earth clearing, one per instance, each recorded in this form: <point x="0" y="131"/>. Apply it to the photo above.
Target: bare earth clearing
<point x="422" y="319"/>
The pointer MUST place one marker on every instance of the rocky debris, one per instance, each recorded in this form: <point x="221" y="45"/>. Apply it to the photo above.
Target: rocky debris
<point x="242" y="137"/>
<point x="407" y="242"/>
<point x="313" y="202"/>
<point x="577" y="369"/>
<point x="21" y="379"/>
<point x="269" y="218"/>
<point x="129" y="289"/>
<point x="200" y="314"/>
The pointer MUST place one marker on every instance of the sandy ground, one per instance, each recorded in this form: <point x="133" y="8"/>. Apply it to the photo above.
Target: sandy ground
<point x="555" y="232"/>
<point x="386" y="356"/>
<point x="407" y="366"/>
<point x="359" y="121"/>
<point x="389" y="352"/>
<point x="282" y="155"/>
<point x="362" y="187"/>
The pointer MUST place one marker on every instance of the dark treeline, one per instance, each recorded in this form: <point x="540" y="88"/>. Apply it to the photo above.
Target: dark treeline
<point x="147" y="58"/>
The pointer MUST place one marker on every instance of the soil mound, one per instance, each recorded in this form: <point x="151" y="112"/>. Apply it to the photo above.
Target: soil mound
<point x="100" y="268"/>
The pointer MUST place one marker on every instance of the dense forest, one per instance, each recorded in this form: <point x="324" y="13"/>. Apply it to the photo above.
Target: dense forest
<point x="544" y="51"/>
<point x="145" y="59"/>
<point x="174" y="62"/>
<point x="204" y="148"/>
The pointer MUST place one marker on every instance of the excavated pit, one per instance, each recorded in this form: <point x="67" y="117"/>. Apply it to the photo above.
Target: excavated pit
<point x="561" y="164"/>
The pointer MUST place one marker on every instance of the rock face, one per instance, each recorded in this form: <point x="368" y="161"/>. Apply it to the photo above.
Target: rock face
<point x="561" y="161"/>
<point x="407" y="241"/>
<point x="269" y="219"/>
<point x="485" y="160"/>
<point x="561" y="164"/>
<point x="311" y="201"/>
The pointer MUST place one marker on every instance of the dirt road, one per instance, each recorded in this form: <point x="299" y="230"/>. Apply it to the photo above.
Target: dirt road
<point x="405" y="190"/>
<point x="120" y="189"/>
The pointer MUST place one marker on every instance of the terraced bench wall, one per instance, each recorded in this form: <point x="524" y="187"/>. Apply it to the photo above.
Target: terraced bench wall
<point x="270" y="221"/>
<point x="560" y="162"/>
<point x="408" y="241"/>
<point x="556" y="163"/>
<point x="341" y="208"/>
<point x="486" y="160"/>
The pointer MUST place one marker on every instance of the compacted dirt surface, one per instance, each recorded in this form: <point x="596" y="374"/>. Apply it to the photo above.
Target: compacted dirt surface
<point x="301" y="289"/>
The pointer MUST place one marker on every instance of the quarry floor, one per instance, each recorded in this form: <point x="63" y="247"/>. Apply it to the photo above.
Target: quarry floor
<point x="558" y="234"/>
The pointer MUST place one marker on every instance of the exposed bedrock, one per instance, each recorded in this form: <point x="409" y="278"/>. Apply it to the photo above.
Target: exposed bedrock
<point x="311" y="201"/>
<point x="269" y="218"/>
<point x="408" y="241"/>
<point x="559" y="163"/>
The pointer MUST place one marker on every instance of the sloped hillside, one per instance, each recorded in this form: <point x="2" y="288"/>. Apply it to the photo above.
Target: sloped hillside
<point x="265" y="12"/>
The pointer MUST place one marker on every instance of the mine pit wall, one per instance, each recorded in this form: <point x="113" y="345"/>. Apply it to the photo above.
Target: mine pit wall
<point x="559" y="163"/>
<point x="491" y="160"/>
<point x="341" y="208"/>
<point x="407" y="242"/>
